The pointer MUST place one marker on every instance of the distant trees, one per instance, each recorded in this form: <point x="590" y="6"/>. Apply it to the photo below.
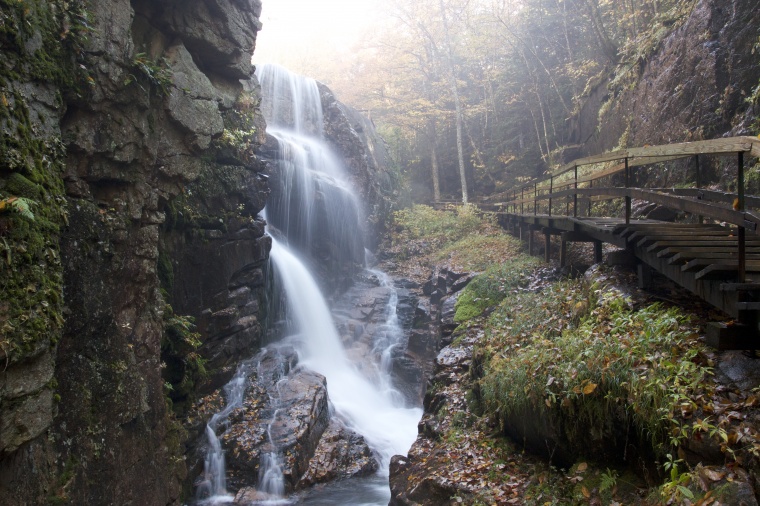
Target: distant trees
<point x="482" y="93"/>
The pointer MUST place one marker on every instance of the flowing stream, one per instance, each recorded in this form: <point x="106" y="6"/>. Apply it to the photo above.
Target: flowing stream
<point x="316" y="212"/>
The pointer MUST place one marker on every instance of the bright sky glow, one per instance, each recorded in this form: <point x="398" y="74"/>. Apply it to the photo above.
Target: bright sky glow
<point x="299" y="33"/>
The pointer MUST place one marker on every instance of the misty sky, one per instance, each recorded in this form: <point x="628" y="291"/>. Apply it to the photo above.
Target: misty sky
<point x="296" y="31"/>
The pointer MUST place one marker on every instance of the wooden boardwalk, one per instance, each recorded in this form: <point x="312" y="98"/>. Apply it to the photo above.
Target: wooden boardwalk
<point x="713" y="251"/>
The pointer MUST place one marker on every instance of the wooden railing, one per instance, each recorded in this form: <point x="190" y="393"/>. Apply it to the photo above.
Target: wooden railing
<point x="582" y="180"/>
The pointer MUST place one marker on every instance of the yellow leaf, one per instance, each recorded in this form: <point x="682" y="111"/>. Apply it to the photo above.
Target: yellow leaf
<point x="585" y="492"/>
<point x="589" y="388"/>
<point x="582" y="467"/>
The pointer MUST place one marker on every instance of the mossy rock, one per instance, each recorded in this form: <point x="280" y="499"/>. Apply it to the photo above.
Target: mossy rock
<point x="19" y="186"/>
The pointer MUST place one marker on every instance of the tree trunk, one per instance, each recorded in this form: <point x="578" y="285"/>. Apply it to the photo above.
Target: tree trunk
<point x="608" y="47"/>
<point x="434" y="163"/>
<point x="457" y="104"/>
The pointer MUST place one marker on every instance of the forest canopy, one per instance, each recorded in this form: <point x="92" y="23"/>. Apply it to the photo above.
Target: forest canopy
<point x="519" y="70"/>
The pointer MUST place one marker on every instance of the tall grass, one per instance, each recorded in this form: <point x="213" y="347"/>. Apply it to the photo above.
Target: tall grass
<point x="645" y="362"/>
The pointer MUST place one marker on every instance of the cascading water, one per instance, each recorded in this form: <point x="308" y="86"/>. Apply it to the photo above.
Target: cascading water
<point x="314" y="205"/>
<point x="373" y="410"/>
<point x="388" y="337"/>
<point x="213" y="487"/>
<point x="317" y="214"/>
<point x="271" y="481"/>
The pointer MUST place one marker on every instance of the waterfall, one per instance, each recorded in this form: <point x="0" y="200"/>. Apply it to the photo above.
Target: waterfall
<point x="372" y="409"/>
<point x="388" y="337"/>
<point x="319" y="219"/>
<point x="271" y="481"/>
<point x="315" y="203"/>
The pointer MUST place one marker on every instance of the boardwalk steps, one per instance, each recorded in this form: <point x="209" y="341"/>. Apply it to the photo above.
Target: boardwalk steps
<point x="701" y="258"/>
<point x="716" y="256"/>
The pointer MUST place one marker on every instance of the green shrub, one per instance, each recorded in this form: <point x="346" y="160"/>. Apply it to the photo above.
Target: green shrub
<point x="475" y="253"/>
<point x="644" y="361"/>
<point x="424" y="222"/>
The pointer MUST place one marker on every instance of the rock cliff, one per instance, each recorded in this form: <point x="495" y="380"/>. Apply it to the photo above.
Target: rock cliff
<point x="692" y="86"/>
<point x="128" y="182"/>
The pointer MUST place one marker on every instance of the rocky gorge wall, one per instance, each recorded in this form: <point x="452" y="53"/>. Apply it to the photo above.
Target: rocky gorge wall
<point x="693" y="85"/>
<point x="133" y="262"/>
<point x="110" y="111"/>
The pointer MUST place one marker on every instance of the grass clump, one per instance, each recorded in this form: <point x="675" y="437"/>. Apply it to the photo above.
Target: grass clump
<point x="420" y="229"/>
<point x="642" y="365"/>
<point x="492" y="286"/>
<point x="477" y="253"/>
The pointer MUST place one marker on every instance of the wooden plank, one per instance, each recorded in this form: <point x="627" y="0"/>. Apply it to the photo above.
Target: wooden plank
<point x="697" y="264"/>
<point x="604" y="157"/>
<point x="649" y="160"/>
<point x="664" y="235"/>
<point x="709" y="195"/>
<point x="714" y="242"/>
<point x="695" y="236"/>
<point x="739" y="287"/>
<point x="755" y="147"/>
<point x="672" y="250"/>
<point x="670" y="228"/>
<point x="713" y="211"/>
<point x="718" y="270"/>
<point x="713" y="146"/>
<point x="725" y="255"/>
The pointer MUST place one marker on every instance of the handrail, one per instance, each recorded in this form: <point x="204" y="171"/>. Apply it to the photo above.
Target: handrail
<point x="725" y="207"/>
<point x="638" y="157"/>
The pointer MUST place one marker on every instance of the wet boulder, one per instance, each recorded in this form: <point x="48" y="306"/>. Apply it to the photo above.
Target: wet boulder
<point x="342" y="453"/>
<point x="287" y="420"/>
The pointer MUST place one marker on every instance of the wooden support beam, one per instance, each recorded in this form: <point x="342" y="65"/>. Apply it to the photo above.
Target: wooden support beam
<point x="530" y="241"/>
<point x="732" y="337"/>
<point x="644" y="274"/>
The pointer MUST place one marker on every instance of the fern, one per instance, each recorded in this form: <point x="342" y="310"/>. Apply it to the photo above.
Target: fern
<point x="19" y="205"/>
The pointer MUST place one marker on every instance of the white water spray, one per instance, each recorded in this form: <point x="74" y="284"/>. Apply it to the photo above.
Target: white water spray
<point x="372" y="410"/>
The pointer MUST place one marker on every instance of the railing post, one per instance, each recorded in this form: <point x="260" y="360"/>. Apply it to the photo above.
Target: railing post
<point x="590" y="185"/>
<point x="742" y="272"/>
<point x="627" y="197"/>
<point x="551" y="190"/>
<point x="535" y="198"/>
<point x="698" y="182"/>
<point x="522" y="200"/>
<point x="575" y="195"/>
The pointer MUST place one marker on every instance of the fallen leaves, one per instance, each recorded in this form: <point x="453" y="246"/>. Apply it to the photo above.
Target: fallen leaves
<point x="589" y="388"/>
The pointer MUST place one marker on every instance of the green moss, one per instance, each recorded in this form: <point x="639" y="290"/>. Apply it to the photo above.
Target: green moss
<point x="46" y="35"/>
<point x="20" y="186"/>
<point x="154" y="73"/>
<point x="184" y="367"/>
<point x="165" y="271"/>
<point x="31" y="276"/>
<point x="491" y="287"/>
